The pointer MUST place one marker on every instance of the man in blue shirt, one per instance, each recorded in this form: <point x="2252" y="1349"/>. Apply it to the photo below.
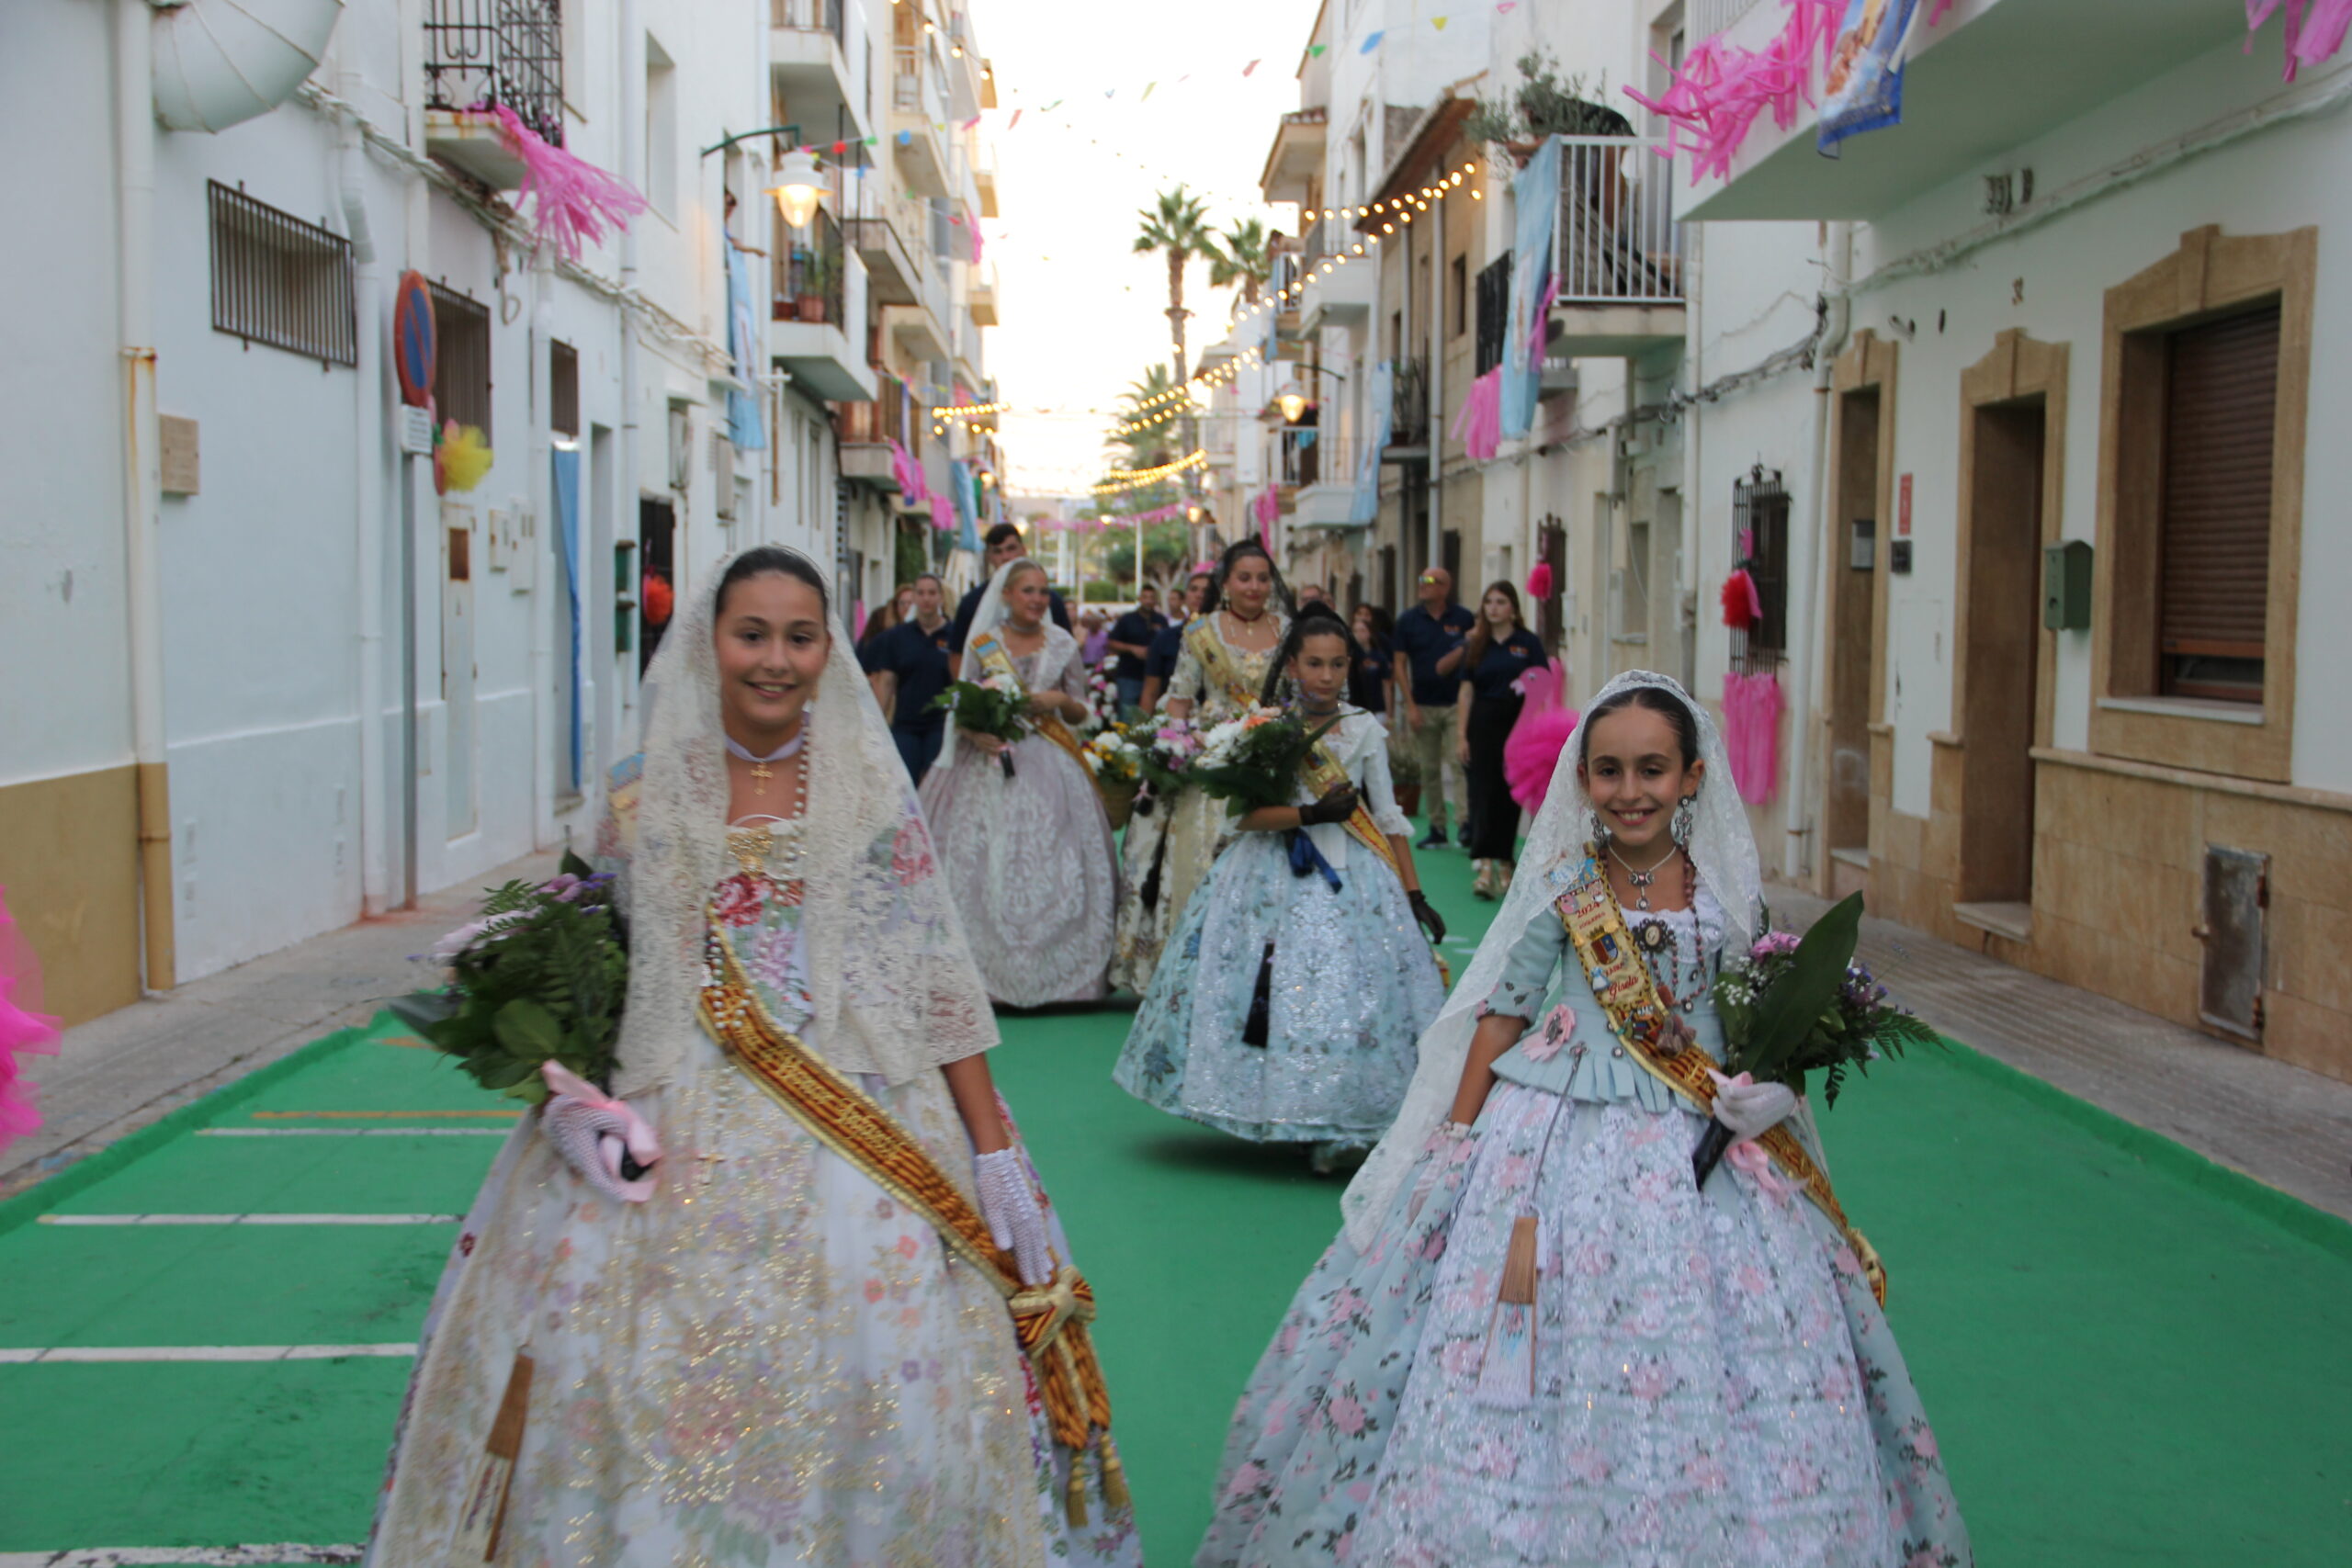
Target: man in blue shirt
<point x="1428" y="643"/>
<point x="908" y="666"/>
<point x="1159" y="663"/>
<point x="1131" y="639"/>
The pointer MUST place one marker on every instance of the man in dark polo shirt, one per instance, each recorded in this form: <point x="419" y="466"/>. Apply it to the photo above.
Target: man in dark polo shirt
<point x="1160" y="664"/>
<point x="1131" y="639"/>
<point x="907" y="665"/>
<point x="1428" y="642"/>
<point x="1003" y="544"/>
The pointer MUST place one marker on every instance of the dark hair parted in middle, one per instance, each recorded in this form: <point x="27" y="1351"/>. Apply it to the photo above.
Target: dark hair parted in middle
<point x="1318" y="619"/>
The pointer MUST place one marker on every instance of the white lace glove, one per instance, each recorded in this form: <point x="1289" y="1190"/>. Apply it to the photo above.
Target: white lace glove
<point x="591" y="1132"/>
<point x="1751" y="1109"/>
<point x="1015" y="1221"/>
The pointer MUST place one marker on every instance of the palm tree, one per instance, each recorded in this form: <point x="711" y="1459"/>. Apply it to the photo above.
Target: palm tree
<point x="1178" y="227"/>
<point x="1146" y="399"/>
<point x="1244" y="257"/>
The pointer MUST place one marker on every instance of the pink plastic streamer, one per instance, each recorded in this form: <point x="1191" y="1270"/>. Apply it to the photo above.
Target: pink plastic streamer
<point x="909" y="473"/>
<point x="1546" y="724"/>
<point x="2315" y="29"/>
<point x="1478" y="426"/>
<point x="571" y="199"/>
<point x="1715" y="99"/>
<point x="1752" y="733"/>
<point x="23" y="1032"/>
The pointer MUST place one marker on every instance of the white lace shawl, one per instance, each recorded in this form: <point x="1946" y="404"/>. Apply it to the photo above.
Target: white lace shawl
<point x="895" y="987"/>
<point x="989" y="616"/>
<point x="1722" y="847"/>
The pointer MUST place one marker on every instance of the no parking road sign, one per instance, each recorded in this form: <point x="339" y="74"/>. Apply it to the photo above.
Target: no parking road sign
<point x="413" y="339"/>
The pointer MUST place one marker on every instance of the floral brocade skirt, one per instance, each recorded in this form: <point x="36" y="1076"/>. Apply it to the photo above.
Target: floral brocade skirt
<point x="1713" y="1383"/>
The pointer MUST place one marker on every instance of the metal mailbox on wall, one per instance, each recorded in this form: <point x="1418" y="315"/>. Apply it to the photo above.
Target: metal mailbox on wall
<point x="2066" y="586"/>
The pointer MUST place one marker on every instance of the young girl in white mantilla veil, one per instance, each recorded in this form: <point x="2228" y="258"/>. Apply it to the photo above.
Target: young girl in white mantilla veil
<point x="1536" y="1341"/>
<point x="800" y="1337"/>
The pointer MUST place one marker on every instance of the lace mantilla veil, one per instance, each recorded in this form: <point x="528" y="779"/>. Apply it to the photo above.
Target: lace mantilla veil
<point x="987" y="615"/>
<point x="1721" y="846"/>
<point x="895" y="987"/>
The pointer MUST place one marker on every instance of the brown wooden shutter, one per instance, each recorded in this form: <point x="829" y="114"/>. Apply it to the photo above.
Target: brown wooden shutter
<point x="2213" y="542"/>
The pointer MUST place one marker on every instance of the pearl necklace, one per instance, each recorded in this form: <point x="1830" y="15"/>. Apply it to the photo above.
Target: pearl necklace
<point x="753" y="848"/>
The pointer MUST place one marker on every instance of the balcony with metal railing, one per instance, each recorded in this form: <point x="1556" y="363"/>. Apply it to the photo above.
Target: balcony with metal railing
<point x="1408" y="411"/>
<point x="1326" y="493"/>
<point x="810" y="44"/>
<point x="918" y="107"/>
<point x="1617" y="267"/>
<point x="817" y="327"/>
<point x="1338" y="283"/>
<point x="480" y="54"/>
<point x="866" y="431"/>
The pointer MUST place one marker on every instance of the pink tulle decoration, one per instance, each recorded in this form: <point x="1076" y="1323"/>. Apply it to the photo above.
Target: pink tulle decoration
<point x="1545" y="727"/>
<point x="1538" y="581"/>
<point x="2315" y="29"/>
<point x="1715" y="99"/>
<point x="1480" y="425"/>
<point x="1752" y="733"/>
<point x="909" y="473"/>
<point x="23" y="1032"/>
<point x="571" y="199"/>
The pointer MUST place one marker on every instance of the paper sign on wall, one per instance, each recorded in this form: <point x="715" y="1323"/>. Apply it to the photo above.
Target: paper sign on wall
<point x="1902" y="509"/>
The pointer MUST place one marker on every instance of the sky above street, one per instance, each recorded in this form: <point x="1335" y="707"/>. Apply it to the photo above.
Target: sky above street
<point x="1082" y="315"/>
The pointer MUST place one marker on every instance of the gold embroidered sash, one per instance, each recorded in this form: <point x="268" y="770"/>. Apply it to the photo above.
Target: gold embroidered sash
<point x="1655" y="1038"/>
<point x="1050" y="1320"/>
<point x="1322" y="770"/>
<point x="997" y="659"/>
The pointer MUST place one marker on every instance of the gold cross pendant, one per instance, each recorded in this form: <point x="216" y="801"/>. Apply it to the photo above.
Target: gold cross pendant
<point x="761" y="773"/>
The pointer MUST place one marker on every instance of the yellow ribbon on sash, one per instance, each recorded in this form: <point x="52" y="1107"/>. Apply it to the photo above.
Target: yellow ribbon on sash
<point x="1644" y="1021"/>
<point x="1050" y="1320"/>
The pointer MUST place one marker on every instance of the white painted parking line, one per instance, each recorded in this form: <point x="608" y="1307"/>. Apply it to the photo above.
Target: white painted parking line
<point x="198" y="1353"/>
<point x="157" y="1556"/>
<point x="352" y="1131"/>
<point x="250" y="1219"/>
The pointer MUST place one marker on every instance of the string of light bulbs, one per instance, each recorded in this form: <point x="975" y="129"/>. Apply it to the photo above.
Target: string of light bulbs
<point x="1135" y="479"/>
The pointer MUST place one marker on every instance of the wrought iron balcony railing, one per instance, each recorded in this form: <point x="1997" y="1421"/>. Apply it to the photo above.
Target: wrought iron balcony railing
<point x="480" y="53"/>
<point x="811" y="273"/>
<point x="806" y="16"/>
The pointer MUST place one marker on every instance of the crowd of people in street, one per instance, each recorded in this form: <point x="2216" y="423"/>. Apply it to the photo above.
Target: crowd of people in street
<point x="1536" y="1339"/>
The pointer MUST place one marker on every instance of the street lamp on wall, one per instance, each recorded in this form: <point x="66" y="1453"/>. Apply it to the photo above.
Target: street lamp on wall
<point x="1292" y="405"/>
<point x="795" y="190"/>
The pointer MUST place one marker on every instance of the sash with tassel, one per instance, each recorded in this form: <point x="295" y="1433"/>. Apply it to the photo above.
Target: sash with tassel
<point x="1654" y="1035"/>
<point x="997" y="659"/>
<point x="1050" y="1320"/>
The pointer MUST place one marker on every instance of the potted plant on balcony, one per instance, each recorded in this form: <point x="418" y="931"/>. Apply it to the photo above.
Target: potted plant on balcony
<point x="816" y="284"/>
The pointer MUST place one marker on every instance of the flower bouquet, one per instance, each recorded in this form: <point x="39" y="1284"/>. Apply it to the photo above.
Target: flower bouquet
<point x="1167" y="749"/>
<point x="1116" y="764"/>
<point x="1253" y="760"/>
<point x="996" y="704"/>
<point x="540" y="978"/>
<point x="1101" y="705"/>
<point x="1801" y="1005"/>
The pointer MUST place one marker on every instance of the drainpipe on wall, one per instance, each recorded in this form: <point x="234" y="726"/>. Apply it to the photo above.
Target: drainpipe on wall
<point x="1692" y="595"/>
<point x="1437" y="388"/>
<point x="625" y="525"/>
<point x="1808" y="546"/>
<point x="142" y="480"/>
<point x="549" y="559"/>
<point x="368" y="474"/>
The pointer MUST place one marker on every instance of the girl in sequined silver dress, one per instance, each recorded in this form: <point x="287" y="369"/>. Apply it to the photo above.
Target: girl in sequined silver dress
<point x="1286" y="1004"/>
<point x="1537" y="1343"/>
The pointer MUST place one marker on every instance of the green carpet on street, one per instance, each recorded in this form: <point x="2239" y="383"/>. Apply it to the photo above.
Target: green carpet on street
<point x="2131" y="1357"/>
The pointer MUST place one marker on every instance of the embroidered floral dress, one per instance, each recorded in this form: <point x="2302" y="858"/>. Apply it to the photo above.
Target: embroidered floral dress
<point x="1714" y="1384"/>
<point x="770" y="1361"/>
<point x="1030" y="858"/>
<point x="1350" y="981"/>
<point x="1169" y="852"/>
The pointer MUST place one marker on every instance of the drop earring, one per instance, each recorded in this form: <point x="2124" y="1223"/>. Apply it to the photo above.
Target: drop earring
<point x="1596" y="830"/>
<point x="1684" y="814"/>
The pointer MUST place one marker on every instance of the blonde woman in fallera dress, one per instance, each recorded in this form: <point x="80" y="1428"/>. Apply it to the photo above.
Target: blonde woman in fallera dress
<point x="777" y="1347"/>
<point x="1229" y="650"/>
<point x="1028" y="853"/>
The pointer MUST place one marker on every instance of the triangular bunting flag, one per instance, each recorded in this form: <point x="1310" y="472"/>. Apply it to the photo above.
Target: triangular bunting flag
<point x="1315" y="50"/>
<point x="1013" y="121"/>
<point x="1249" y="68"/>
<point x="1147" y="86"/>
<point x="1372" y="41"/>
<point x="1437" y="22"/>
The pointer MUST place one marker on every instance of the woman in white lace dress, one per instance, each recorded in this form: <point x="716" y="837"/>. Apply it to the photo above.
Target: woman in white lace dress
<point x="798" y="1339"/>
<point x="1538" y="1341"/>
<point x="1022" y="835"/>
<point x="1228" y="650"/>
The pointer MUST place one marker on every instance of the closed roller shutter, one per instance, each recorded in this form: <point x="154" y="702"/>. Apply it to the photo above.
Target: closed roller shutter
<point x="2213" y="582"/>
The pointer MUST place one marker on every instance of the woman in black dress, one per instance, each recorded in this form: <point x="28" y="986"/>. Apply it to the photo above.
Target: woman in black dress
<point x="1369" y="681"/>
<point x="1500" y="650"/>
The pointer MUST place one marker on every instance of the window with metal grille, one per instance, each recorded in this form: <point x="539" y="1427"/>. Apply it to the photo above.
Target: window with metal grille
<point x="1457" y="283"/>
<point x="1494" y="311"/>
<point x="563" y="389"/>
<point x="2213" y="527"/>
<point x="461" y="360"/>
<point x="1760" y="543"/>
<point x="280" y="281"/>
<point x="1551" y="611"/>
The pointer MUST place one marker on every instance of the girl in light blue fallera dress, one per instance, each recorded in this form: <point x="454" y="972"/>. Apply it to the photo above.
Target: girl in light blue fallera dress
<point x="1288" y="999"/>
